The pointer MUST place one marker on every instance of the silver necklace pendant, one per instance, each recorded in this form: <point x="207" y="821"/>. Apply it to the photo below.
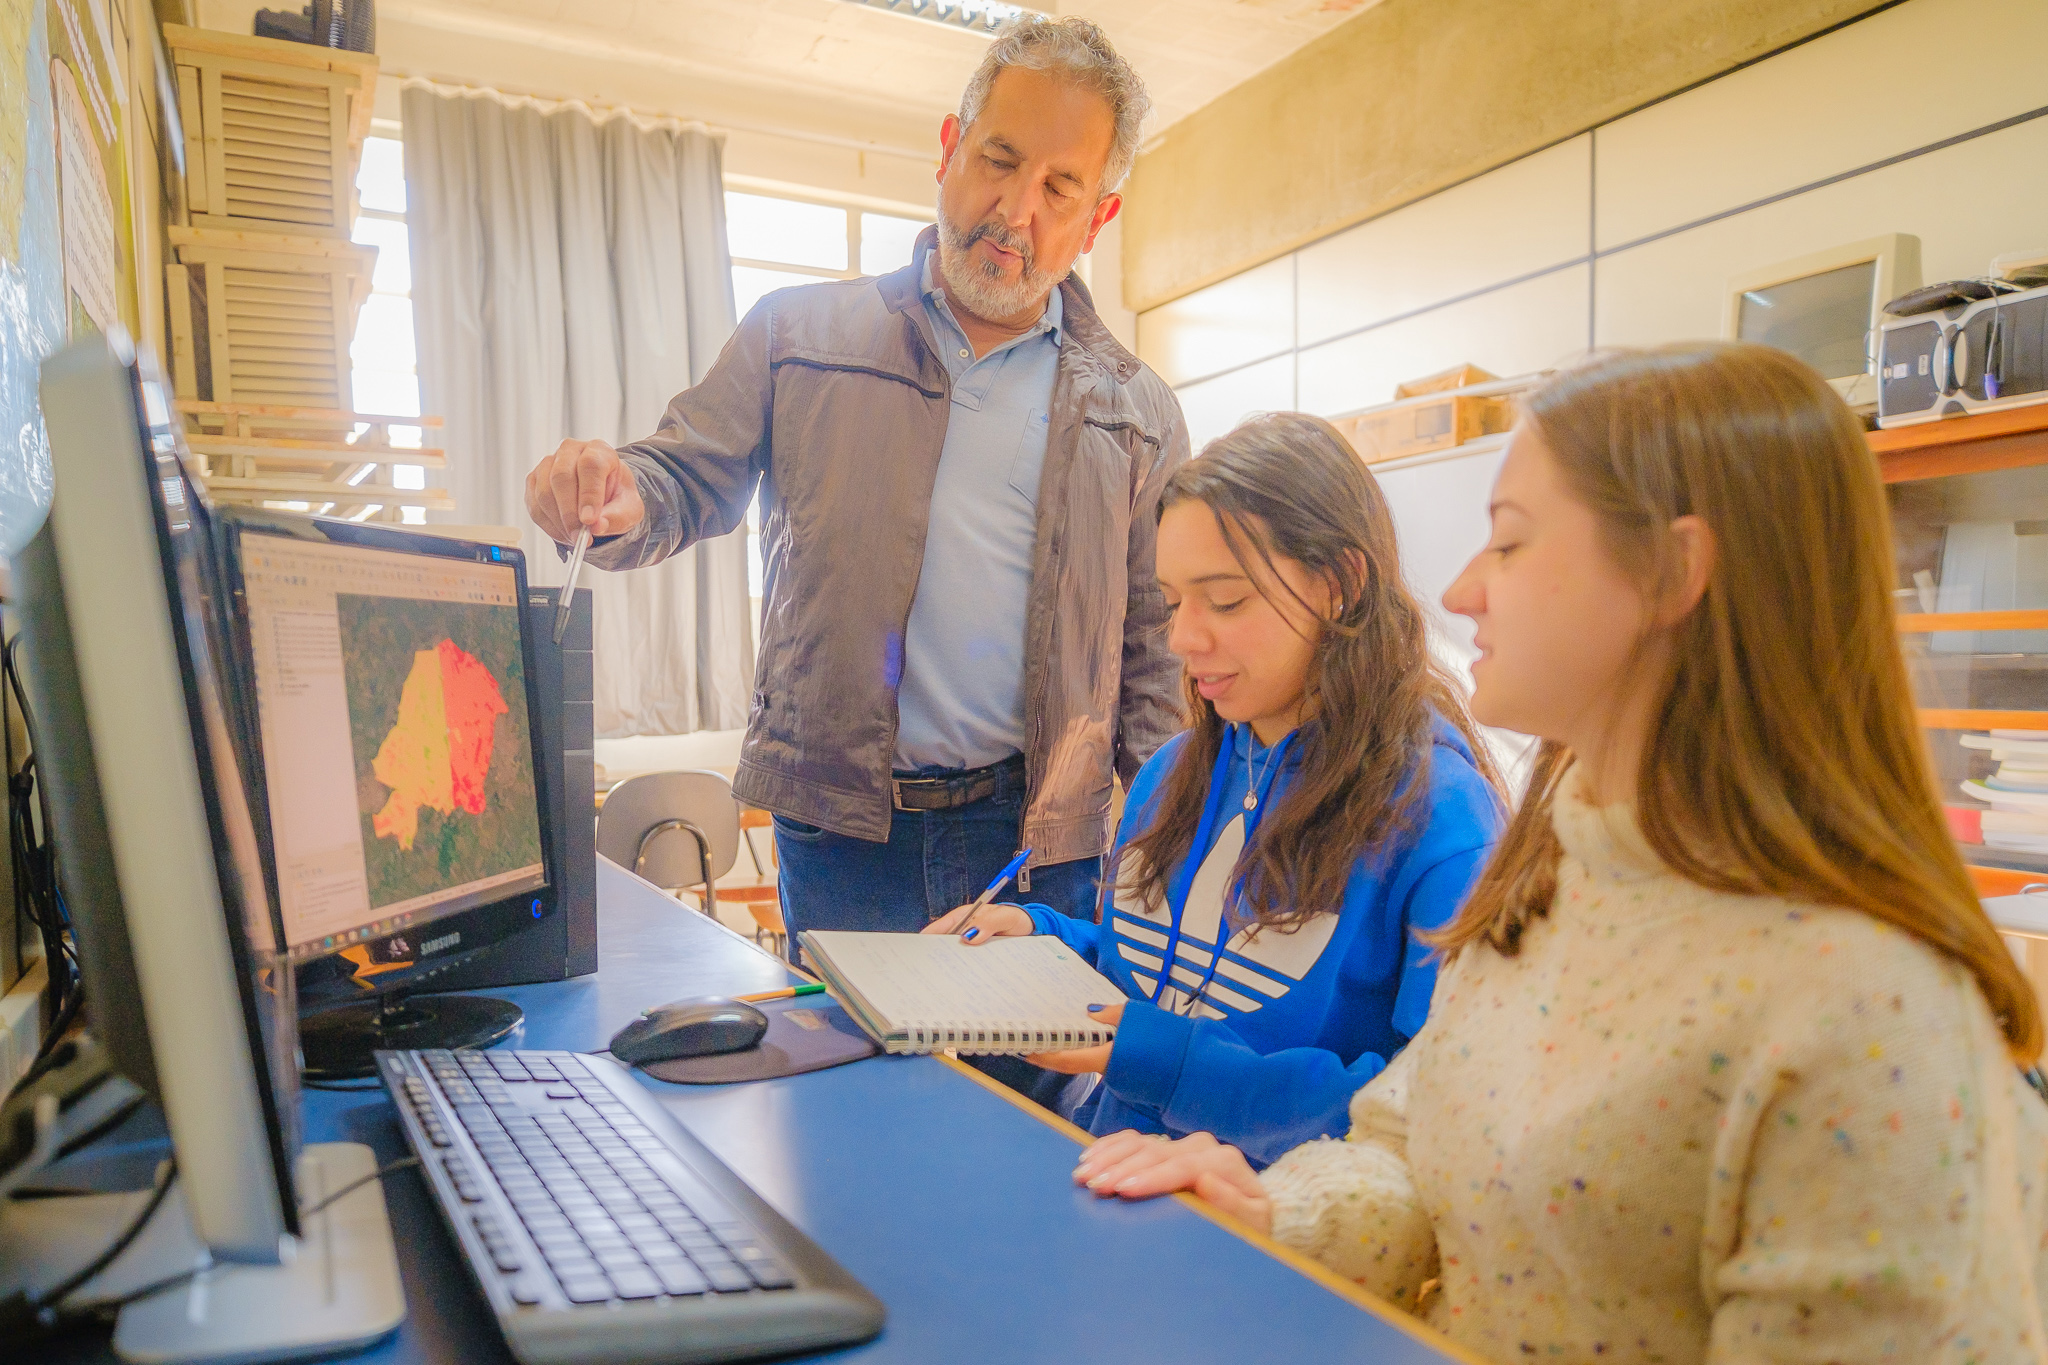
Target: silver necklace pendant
<point x="1254" y="776"/>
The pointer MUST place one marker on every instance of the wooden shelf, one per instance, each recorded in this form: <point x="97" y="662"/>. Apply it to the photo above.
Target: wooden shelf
<point x="287" y="489"/>
<point x="321" y="416"/>
<point x="313" y="453"/>
<point x="1955" y="430"/>
<point x="2011" y="439"/>
<point x="1921" y="622"/>
<point x="362" y="66"/>
<point x="251" y="240"/>
<point x="2001" y="881"/>
<point x="1938" y="718"/>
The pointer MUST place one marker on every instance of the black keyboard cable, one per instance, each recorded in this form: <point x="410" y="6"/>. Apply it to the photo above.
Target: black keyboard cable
<point x="25" y="1314"/>
<point x="44" y="1313"/>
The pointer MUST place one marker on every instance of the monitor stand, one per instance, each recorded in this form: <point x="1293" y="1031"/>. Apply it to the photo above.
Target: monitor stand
<point x="336" y="1290"/>
<point x="338" y="1044"/>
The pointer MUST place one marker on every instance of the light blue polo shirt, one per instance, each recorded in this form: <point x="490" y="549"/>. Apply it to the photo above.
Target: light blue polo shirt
<point x="961" y="700"/>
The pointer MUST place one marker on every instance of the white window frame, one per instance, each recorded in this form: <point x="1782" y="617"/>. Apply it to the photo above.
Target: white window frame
<point x="392" y="132"/>
<point x="854" y="205"/>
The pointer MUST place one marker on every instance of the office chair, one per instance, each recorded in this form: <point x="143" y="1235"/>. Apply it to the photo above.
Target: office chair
<point x="675" y="829"/>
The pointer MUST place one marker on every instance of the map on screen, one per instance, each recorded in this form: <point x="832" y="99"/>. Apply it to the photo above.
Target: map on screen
<point x="437" y="718"/>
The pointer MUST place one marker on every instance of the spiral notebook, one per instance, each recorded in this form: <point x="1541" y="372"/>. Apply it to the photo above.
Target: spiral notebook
<point x="931" y="992"/>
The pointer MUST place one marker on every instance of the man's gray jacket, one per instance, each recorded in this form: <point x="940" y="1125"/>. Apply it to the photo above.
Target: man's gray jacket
<point x="833" y="398"/>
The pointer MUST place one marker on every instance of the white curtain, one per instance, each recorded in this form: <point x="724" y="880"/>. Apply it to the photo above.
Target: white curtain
<point x="570" y="274"/>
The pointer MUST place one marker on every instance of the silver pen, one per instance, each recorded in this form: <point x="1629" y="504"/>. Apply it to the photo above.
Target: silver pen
<point x="568" y="598"/>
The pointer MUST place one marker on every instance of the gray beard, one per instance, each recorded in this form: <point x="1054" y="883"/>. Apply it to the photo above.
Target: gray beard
<point x="980" y="289"/>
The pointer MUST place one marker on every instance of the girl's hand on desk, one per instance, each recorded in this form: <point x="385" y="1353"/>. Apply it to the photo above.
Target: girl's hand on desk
<point x="995" y="921"/>
<point x="1075" y="1060"/>
<point x="1133" y="1165"/>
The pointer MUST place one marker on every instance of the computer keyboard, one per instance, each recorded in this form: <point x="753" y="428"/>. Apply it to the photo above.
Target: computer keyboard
<point x="600" y="1230"/>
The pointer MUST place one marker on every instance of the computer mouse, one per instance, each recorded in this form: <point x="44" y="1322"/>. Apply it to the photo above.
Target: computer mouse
<point x="689" y="1028"/>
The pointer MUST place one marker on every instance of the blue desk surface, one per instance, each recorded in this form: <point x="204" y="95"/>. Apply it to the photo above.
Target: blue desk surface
<point x="951" y="1202"/>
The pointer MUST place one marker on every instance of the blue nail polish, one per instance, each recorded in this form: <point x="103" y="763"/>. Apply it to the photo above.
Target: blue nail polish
<point x="969" y="935"/>
<point x="1097" y="1009"/>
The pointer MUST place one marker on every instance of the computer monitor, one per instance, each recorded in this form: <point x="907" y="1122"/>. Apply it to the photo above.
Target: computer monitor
<point x="156" y="852"/>
<point x="1825" y="307"/>
<point x="135" y="734"/>
<point x="399" y="799"/>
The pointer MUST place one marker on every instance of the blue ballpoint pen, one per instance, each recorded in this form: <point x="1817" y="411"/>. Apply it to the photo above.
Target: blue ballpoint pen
<point x="985" y="897"/>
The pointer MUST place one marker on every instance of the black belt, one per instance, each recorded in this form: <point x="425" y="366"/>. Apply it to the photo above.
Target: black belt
<point x="955" y="789"/>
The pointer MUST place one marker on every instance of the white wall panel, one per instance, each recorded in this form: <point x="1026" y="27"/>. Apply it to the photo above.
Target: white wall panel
<point x="1966" y="203"/>
<point x="1214" y="406"/>
<point x="1440" y="516"/>
<point x="1510" y="331"/>
<point x="1898" y="80"/>
<point x="1864" y="93"/>
<point x="1526" y="216"/>
<point x="1244" y="318"/>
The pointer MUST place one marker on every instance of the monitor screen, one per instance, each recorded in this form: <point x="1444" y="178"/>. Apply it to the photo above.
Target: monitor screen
<point x="190" y="543"/>
<point x="1824" y="319"/>
<point x="397" y="749"/>
<point x="134" y="719"/>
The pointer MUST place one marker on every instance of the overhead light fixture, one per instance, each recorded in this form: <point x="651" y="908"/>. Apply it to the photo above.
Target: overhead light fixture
<point x="975" y="16"/>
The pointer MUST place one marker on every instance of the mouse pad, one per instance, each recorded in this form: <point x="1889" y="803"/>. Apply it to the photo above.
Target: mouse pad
<point x="808" y="1033"/>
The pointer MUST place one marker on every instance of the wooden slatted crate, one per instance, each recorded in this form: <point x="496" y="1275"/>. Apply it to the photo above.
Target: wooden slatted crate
<point x="265" y="286"/>
<point x="262" y="318"/>
<point x="273" y="130"/>
<point x="312" y="459"/>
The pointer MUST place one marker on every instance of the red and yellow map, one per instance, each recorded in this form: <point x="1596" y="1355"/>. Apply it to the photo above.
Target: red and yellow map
<point x="439" y="750"/>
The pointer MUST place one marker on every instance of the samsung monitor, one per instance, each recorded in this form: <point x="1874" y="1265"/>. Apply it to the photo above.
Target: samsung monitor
<point x="135" y="734"/>
<point x="404" y="816"/>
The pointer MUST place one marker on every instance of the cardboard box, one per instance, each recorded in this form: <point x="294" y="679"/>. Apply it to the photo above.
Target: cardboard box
<point x="1456" y="377"/>
<point x="1415" y="426"/>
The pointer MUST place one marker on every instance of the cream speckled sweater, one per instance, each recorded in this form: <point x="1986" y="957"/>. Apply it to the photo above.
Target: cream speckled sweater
<point x="1686" y="1126"/>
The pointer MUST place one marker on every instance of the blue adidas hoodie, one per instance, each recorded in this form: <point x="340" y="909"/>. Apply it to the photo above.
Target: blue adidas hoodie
<point x="1266" y="1046"/>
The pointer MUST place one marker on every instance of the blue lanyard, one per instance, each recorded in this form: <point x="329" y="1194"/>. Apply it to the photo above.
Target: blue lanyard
<point x="1177" y="892"/>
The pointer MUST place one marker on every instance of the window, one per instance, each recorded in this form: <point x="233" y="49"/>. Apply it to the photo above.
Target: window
<point x="383" y="363"/>
<point x="777" y="242"/>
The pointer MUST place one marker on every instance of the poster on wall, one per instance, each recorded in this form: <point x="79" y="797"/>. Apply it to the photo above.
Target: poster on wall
<point x="86" y="94"/>
<point x="66" y="262"/>
<point x="92" y="260"/>
<point x="33" y="315"/>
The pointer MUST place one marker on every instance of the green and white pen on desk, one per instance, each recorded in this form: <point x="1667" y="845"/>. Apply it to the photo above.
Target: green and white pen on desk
<point x="568" y="599"/>
<point x="786" y="993"/>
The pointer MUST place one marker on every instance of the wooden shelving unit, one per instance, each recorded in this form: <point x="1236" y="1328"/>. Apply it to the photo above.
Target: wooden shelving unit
<point x="1987" y="444"/>
<point x="270" y="454"/>
<point x="263" y="284"/>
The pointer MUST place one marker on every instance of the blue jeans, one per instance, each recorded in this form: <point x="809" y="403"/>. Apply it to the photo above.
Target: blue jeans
<point x="934" y="861"/>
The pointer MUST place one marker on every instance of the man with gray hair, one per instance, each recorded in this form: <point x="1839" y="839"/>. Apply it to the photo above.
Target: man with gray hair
<point x="959" y="467"/>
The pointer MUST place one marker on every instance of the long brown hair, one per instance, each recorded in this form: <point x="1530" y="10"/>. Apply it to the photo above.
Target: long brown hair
<point x="1784" y="758"/>
<point x="1287" y="485"/>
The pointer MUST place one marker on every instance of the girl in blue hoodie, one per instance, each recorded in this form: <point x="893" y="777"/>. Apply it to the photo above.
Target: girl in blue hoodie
<point x="1276" y="860"/>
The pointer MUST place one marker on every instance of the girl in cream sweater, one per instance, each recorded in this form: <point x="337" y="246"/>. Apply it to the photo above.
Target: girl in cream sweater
<point x="1722" y="1065"/>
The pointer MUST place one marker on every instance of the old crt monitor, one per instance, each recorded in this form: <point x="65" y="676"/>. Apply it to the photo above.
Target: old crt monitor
<point x="401" y="806"/>
<point x="1825" y="307"/>
<point x="134" y="734"/>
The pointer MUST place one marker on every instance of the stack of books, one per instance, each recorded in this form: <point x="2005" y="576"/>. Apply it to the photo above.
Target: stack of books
<point x="2017" y="792"/>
